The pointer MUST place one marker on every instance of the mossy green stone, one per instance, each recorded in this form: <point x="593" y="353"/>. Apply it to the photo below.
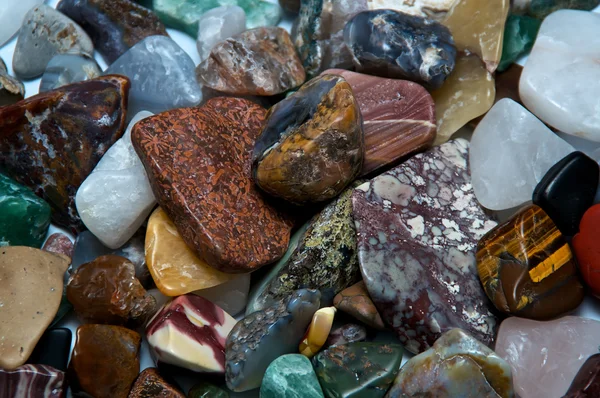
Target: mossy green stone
<point x="542" y="8"/>
<point x="519" y="35"/>
<point x="207" y="390"/>
<point x="290" y="376"/>
<point x="358" y="370"/>
<point x="184" y="14"/>
<point x="24" y="217"/>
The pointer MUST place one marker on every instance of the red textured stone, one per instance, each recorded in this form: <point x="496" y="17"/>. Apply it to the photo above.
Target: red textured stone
<point x="586" y="245"/>
<point x="59" y="243"/>
<point x="198" y="161"/>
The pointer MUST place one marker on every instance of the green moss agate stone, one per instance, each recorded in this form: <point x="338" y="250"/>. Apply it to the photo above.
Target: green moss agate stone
<point x="207" y="390"/>
<point x="290" y="376"/>
<point x="24" y="217"/>
<point x="358" y="370"/>
<point x="519" y="35"/>
<point x="184" y="14"/>
<point x="542" y="8"/>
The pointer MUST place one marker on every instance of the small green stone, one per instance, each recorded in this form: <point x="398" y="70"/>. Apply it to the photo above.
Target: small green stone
<point x="24" y="217"/>
<point x="290" y="376"/>
<point x="542" y="8"/>
<point x="519" y="35"/>
<point x="184" y="14"/>
<point x="207" y="390"/>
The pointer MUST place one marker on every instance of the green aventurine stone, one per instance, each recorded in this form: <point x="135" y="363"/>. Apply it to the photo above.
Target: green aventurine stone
<point x="358" y="370"/>
<point x="290" y="376"/>
<point x="542" y="8"/>
<point x="519" y="35"/>
<point x="207" y="390"/>
<point x="24" y="218"/>
<point x="184" y="14"/>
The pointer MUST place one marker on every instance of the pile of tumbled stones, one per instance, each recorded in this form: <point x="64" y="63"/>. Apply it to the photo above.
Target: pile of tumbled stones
<point x="292" y="216"/>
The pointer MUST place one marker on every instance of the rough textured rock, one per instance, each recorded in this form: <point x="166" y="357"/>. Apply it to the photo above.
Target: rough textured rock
<point x="290" y="376"/>
<point x="418" y="226"/>
<point x="11" y="17"/>
<point x="39" y="381"/>
<point x="261" y="61"/>
<point x="219" y="24"/>
<point x="198" y="161"/>
<point x="587" y="381"/>
<point x="150" y="384"/>
<point x="51" y="142"/>
<point x="59" y="243"/>
<point x="355" y="301"/>
<point x="317" y="332"/>
<point x="11" y="89"/>
<point x="586" y="246"/>
<point x="519" y="35"/>
<point x="45" y="33"/>
<point x="65" y="69"/>
<point x="397" y="45"/>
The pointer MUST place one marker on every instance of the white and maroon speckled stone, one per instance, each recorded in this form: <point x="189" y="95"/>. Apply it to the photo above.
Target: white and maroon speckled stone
<point x="190" y="332"/>
<point x="418" y="226"/>
<point x="39" y="381"/>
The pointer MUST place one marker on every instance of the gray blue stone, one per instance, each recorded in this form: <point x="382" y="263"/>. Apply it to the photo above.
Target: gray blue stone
<point x="65" y="69"/>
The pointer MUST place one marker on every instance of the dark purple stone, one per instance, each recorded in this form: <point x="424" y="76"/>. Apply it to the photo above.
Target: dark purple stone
<point x="587" y="381"/>
<point x="32" y="381"/>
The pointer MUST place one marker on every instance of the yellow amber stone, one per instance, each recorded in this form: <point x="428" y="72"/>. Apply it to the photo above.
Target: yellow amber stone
<point x="468" y="92"/>
<point x="478" y="26"/>
<point x="317" y="332"/>
<point x="174" y="267"/>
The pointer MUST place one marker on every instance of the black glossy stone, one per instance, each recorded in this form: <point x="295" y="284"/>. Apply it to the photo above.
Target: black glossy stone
<point x="393" y="44"/>
<point x="53" y="349"/>
<point x="568" y="190"/>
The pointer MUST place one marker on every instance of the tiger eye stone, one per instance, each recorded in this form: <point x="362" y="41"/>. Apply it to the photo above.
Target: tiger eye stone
<point x="527" y="268"/>
<point x="312" y="145"/>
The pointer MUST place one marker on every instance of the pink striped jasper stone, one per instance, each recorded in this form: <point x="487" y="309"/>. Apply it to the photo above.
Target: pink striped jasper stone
<point x="35" y="381"/>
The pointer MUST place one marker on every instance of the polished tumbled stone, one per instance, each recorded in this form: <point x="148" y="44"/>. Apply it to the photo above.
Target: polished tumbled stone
<point x="290" y="376"/>
<point x="217" y="25"/>
<point x="587" y="381"/>
<point x="519" y="35"/>
<point x="65" y="69"/>
<point x="53" y="349"/>
<point x="33" y="381"/>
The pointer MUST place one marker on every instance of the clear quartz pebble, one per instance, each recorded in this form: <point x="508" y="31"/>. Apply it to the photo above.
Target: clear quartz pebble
<point x="217" y="25"/>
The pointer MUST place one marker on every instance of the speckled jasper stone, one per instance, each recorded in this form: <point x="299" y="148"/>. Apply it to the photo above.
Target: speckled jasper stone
<point x="418" y="226"/>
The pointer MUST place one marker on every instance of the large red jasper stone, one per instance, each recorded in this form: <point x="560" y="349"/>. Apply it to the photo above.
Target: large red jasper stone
<point x="586" y="245"/>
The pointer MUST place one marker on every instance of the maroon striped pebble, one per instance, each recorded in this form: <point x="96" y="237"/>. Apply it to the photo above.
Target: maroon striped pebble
<point x="36" y="381"/>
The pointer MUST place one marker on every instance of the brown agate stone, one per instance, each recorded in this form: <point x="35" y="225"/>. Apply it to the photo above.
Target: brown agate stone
<point x="52" y="141"/>
<point x="107" y="291"/>
<point x="105" y="361"/>
<point x="355" y="301"/>
<point x="398" y="118"/>
<point x="312" y="145"/>
<point x="261" y="61"/>
<point x="150" y="384"/>
<point x="527" y="268"/>
<point x="198" y="161"/>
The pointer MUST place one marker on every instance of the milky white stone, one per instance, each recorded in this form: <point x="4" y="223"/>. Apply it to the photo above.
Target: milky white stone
<point x="231" y="296"/>
<point x="12" y="13"/>
<point x="217" y="25"/>
<point x="116" y="198"/>
<point x="561" y="79"/>
<point x="511" y="150"/>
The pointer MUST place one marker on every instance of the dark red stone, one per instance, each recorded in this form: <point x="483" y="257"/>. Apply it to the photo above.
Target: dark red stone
<point x="587" y="381"/>
<point x="586" y="245"/>
<point x="52" y="141"/>
<point x="59" y="243"/>
<point x="150" y="384"/>
<point x="199" y="165"/>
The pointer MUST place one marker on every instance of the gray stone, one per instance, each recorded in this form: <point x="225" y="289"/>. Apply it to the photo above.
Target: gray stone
<point x="217" y="25"/>
<point x="11" y="16"/>
<point x="45" y="33"/>
<point x="65" y="69"/>
<point x="11" y="89"/>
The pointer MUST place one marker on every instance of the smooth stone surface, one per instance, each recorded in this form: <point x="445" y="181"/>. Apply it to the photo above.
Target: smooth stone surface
<point x="520" y="32"/>
<point x="207" y="390"/>
<point x="358" y="370"/>
<point x="105" y="361"/>
<point x="322" y="255"/>
<point x="175" y="268"/>
<point x="587" y="381"/>
<point x="25" y="217"/>
<point x="198" y="161"/>
<point x="560" y="56"/>
<point x="39" y="381"/>
<point x="190" y="332"/>
<point x="356" y="302"/>
<point x="456" y="366"/>
<point x="317" y="332"/>
<point x="12" y="89"/>
<point x="11" y="17"/>
<point x="116" y="198"/>
<point x="545" y="356"/>
<point x="290" y="376"/>
<point x="31" y="285"/>
<point x="150" y="384"/>
<point x="52" y="141"/>
<point x="397" y="45"/>
<point x="398" y="118"/>
<point x="65" y="69"/>
<point x="114" y="26"/>
<point x="265" y="335"/>
<point x="418" y="226"/>
<point x="478" y="27"/>
<point x="53" y="349"/>
<point x="107" y="291"/>
<point x="468" y="93"/>
<point x="312" y="144"/>
<point x="231" y="296"/>
<point x="540" y="9"/>
<point x="261" y="61"/>
<point x="348" y="333"/>
<point x="217" y="25"/>
<point x="511" y="151"/>
<point x="161" y="74"/>
<point x="527" y="268"/>
<point x="45" y="33"/>
<point x="568" y="190"/>
<point x="184" y="14"/>
<point x="586" y="245"/>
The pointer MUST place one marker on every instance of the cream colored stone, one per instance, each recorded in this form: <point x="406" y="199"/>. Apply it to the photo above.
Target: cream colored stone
<point x="436" y="9"/>
<point x="317" y="332"/>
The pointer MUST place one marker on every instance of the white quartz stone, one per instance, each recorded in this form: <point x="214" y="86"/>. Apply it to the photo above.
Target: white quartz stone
<point x="231" y="296"/>
<point x="217" y="25"/>
<point x="12" y="13"/>
<point x="561" y="79"/>
<point x="511" y="151"/>
<point x="116" y="198"/>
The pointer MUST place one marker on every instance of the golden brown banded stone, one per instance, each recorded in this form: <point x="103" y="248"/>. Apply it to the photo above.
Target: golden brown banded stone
<point x="527" y="268"/>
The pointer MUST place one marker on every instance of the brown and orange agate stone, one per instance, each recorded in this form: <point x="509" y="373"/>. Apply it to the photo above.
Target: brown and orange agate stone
<point x="312" y="145"/>
<point x="198" y="161"/>
<point x="527" y="268"/>
<point x="355" y="300"/>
